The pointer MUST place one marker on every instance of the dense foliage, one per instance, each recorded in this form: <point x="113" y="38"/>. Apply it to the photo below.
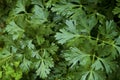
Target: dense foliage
<point x="59" y="39"/>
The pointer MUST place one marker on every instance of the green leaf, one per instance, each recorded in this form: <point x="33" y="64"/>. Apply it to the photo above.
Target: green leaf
<point x="5" y="56"/>
<point x="21" y="6"/>
<point x="25" y="65"/>
<point x="71" y="26"/>
<point x="97" y="65"/>
<point x="96" y="75"/>
<point x="64" y="9"/>
<point x="22" y="18"/>
<point x="44" y="65"/>
<point x="35" y="54"/>
<point x="109" y="30"/>
<point x="108" y="64"/>
<point x="109" y="26"/>
<point x="63" y="36"/>
<point x="9" y="70"/>
<point x="118" y="48"/>
<point x="39" y="15"/>
<point x="68" y="33"/>
<point x="116" y="10"/>
<point x="74" y="55"/>
<point x="89" y="44"/>
<point x="117" y="41"/>
<point x="1" y="74"/>
<point x="87" y="23"/>
<point x="17" y="75"/>
<point x="103" y="51"/>
<point x="30" y="45"/>
<point x="117" y="44"/>
<point x="84" y="76"/>
<point x="17" y="63"/>
<point x="52" y="49"/>
<point x="37" y="2"/>
<point x="40" y="39"/>
<point x="93" y="75"/>
<point x="14" y="30"/>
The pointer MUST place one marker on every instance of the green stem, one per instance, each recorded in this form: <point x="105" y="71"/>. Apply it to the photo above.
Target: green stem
<point x="90" y="37"/>
<point x="93" y="58"/>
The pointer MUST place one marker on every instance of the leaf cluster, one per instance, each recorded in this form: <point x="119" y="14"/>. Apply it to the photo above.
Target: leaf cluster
<point x="59" y="40"/>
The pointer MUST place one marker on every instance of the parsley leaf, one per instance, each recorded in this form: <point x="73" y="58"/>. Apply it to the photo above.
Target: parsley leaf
<point x="74" y="55"/>
<point x="44" y="65"/>
<point x="14" y="30"/>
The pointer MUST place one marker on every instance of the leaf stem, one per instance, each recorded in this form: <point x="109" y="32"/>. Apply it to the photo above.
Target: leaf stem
<point x="90" y="37"/>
